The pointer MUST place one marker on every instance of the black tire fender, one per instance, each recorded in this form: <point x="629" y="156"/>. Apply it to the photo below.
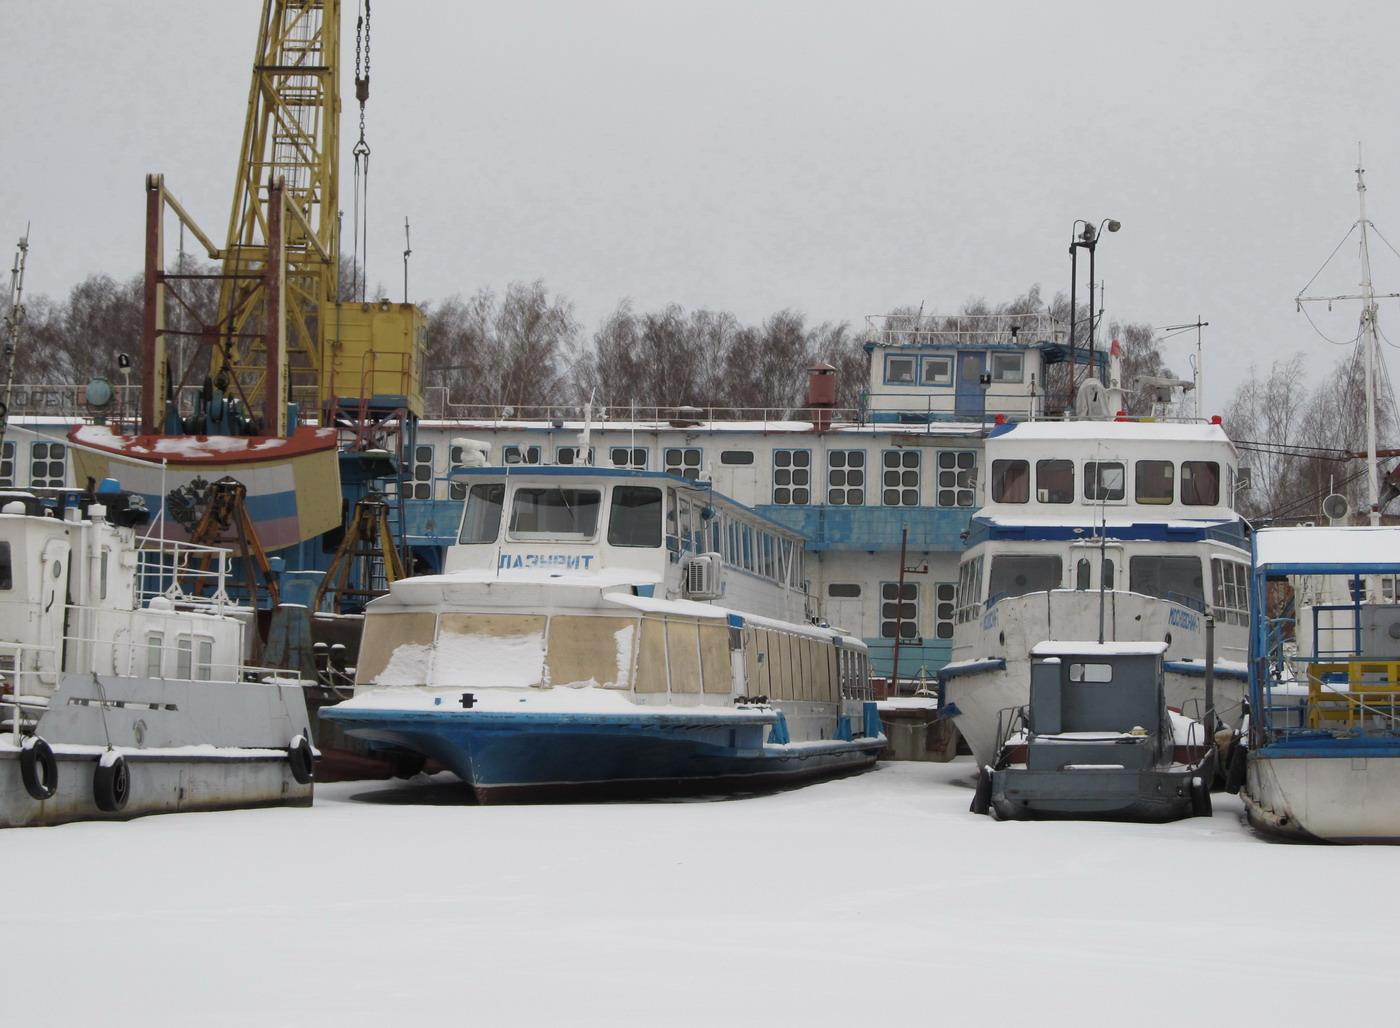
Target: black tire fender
<point x="38" y="768"/>
<point x="1235" y="768"/>
<point x="302" y="760"/>
<point x="111" y="783"/>
<point x="982" y="797"/>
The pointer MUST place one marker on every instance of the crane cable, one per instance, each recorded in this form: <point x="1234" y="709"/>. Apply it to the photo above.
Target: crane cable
<point x="361" y="152"/>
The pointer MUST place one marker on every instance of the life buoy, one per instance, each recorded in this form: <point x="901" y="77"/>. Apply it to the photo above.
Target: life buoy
<point x="302" y="760"/>
<point x="38" y="768"/>
<point x="111" y="782"/>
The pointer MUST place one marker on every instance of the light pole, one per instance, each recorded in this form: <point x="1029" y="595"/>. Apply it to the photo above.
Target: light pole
<point x="1088" y="238"/>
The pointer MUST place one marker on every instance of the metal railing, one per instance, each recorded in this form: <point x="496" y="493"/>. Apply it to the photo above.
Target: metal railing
<point x="964" y="329"/>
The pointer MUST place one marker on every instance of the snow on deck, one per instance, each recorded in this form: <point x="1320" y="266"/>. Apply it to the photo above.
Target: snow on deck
<point x="873" y="897"/>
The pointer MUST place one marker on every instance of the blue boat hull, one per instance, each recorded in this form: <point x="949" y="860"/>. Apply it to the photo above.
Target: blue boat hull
<point x="513" y="757"/>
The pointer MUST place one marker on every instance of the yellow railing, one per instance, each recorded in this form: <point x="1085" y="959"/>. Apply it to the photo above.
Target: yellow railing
<point x="1354" y="694"/>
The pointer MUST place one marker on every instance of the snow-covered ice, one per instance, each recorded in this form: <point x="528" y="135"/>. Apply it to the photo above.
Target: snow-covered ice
<point x="871" y="899"/>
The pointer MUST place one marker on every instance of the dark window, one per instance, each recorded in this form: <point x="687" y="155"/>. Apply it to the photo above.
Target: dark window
<point x="900" y="479"/>
<point x="792" y="476"/>
<point x="1011" y="481"/>
<point x="1054" y="481"/>
<point x="636" y="516"/>
<point x="1017" y="574"/>
<point x="736" y="456"/>
<point x="835" y="589"/>
<point x="1200" y="483"/>
<point x="957" y="478"/>
<point x="899" y="612"/>
<point x="1170" y="578"/>
<point x="1154" y="481"/>
<point x="6" y="569"/>
<point x="845" y="477"/>
<point x="481" y="519"/>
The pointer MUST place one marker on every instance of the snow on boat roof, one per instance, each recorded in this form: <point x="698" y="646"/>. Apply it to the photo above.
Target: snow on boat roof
<point x="1057" y="648"/>
<point x="1112" y="430"/>
<point x="1092" y="518"/>
<point x="1320" y="549"/>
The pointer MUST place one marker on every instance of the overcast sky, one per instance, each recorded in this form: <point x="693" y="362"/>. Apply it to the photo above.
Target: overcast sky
<point x="835" y="158"/>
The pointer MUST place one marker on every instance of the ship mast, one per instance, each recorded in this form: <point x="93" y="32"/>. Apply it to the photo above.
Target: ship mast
<point x="1370" y="311"/>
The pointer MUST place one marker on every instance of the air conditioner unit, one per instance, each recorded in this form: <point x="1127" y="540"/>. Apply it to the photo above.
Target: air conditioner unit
<point x="703" y="577"/>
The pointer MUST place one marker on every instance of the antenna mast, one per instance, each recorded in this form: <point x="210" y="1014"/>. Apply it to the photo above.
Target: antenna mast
<point x="1369" y="313"/>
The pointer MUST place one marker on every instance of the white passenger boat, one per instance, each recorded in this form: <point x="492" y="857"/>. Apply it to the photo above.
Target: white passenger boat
<point x="604" y="631"/>
<point x="1323" y="762"/>
<point x="124" y="688"/>
<point x="1116" y="531"/>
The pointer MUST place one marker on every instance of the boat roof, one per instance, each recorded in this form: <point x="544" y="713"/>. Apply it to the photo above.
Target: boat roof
<point x="1070" y="648"/>
<point x="1054" y="431"/>
<point x="1350" y="549"/>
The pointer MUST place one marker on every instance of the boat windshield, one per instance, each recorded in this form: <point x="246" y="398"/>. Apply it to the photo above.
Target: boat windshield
<point x="636" y="516"/>
<point x="554" y="513"/>
<point x="1177" y="579"/>
<point x="481" y="521"/>
<point x="1018" y="574"/>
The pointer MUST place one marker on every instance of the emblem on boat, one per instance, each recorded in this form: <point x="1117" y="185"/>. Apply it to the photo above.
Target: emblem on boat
<point x="188" y="502"/>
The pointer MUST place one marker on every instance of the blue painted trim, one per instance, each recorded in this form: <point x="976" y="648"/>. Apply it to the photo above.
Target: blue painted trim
<point x="871" y="711"/>
<point x="1229" y="533"/>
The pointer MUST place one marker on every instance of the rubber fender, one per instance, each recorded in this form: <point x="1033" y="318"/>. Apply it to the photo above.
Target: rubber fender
<point x="302" y="760"/>
<point x="982" y="797"/>
<point x="1235" y="768"/>
<point x="38" y="768"/>
<point x="111" y="783"/>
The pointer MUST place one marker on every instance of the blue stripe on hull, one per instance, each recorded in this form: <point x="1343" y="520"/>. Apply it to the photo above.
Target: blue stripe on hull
<point x="507" y="757"/>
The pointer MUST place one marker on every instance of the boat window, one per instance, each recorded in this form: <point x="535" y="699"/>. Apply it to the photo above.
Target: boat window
<point x="1011" y="481"/>
<point x="421" y="487"/>
<point x="843" y="590"/>
<point x="6" y="568"/>
<point x="792" y="476"/>
<point x="520" y="455"/>
<point x="1015" y="574"/>
<point x="1106" y="573"/>
<point x="1170" y="578"/>
<point x="1104" y="480"/>
<point x="184" y="656"/>
<point x="1200" y="483"/>
<point x="204" y="660"/>
<point x="628" y="457"/>
<point x="957" y="478"/>
<point x="969" y="589"/>
<point x="1091" y="672"/>
<point x="47" y="465"/>
<point x="481" y="518"/>
<point x="899" y="370"/>
<point x="102" y="573"/>
<point x="899" y="610"/>
<point x="901" y="478"/>
<point x="736" y="456"/>
<point x="683" y="461"/>
<point x="635" y="519"/>
<point x="1231" y="590"/>
<point x="1153" y="481"/>
<point x="154" y="642"/>
<point x="937" y="371"/>
<point x="1081" y="573"/>
<point x="1008" y="367"/>
<point x="7" y="466"/>
<point x="845" y="477"/>
<point x="1054" y="481"/>
<point x="549" y="511"/>
<point x="945" y="596"/>
<point x="573" y="455"/>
